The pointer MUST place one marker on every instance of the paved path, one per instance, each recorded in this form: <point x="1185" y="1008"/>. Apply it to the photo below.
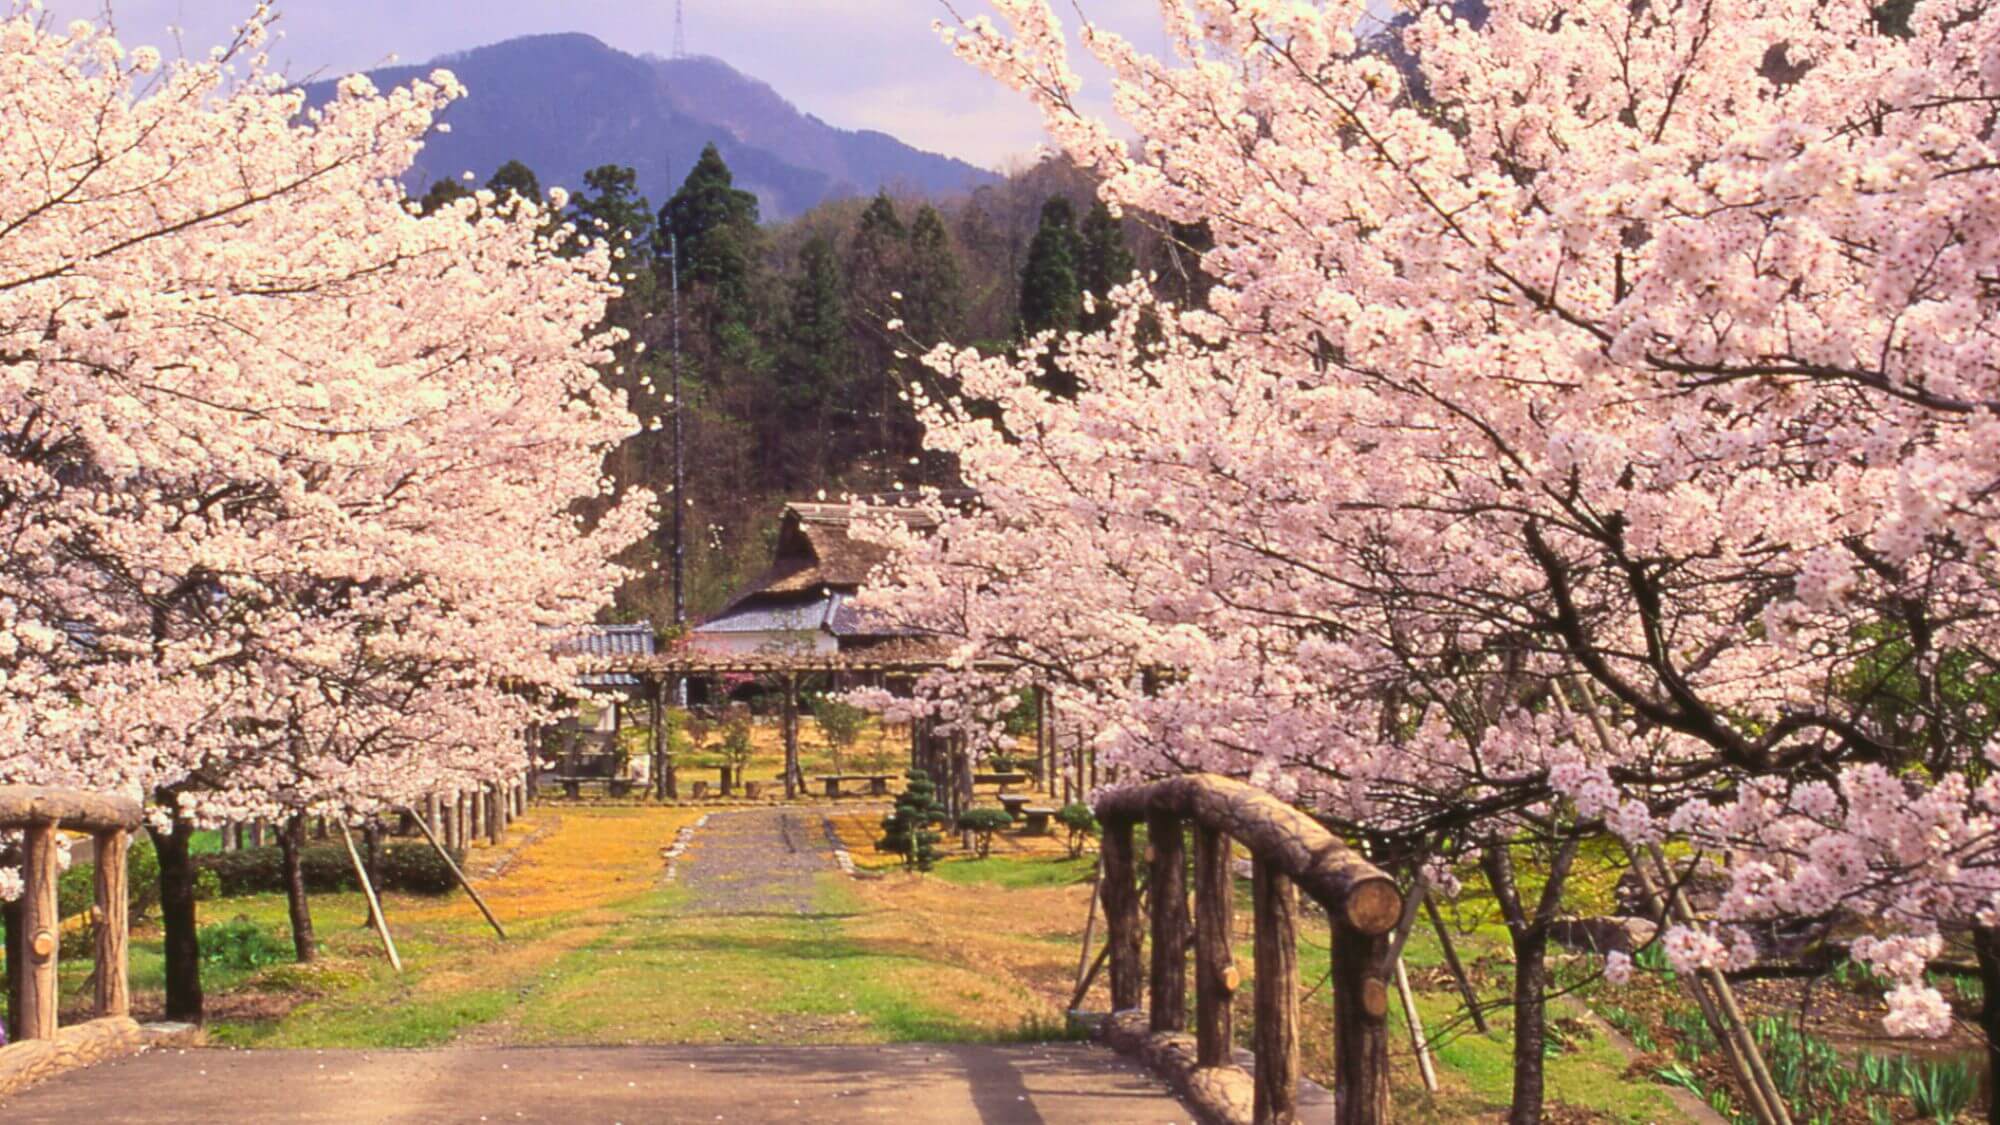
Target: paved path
<point x="1053" y="1084"/>
<point x="758" y="861"/>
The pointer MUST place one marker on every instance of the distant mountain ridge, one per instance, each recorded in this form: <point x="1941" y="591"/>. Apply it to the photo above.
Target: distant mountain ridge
<point x="565" y="103"/>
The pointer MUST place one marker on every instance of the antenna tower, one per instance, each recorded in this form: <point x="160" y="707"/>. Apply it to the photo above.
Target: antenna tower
<point x="680" y="29"/>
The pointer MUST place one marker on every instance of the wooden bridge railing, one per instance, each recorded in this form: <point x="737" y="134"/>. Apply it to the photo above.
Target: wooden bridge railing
<point x="1290" y="851"/>
<point x="38" y="813"/>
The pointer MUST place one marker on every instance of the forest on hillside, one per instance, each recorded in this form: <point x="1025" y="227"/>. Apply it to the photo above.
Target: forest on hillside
<point x="791" y="382"/>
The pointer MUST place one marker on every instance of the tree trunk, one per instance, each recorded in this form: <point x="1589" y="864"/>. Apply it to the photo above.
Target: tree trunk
<point x="17" y="961"/>
<point x="1530" y="1023"/>
<point x="371" y="838"/>
<point x="178" y="920"/>
<point x="292" y="843"/>
<point x="1986" y="945"/>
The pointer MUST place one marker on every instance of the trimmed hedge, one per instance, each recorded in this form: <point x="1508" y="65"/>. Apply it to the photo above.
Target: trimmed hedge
<point x="412" y="868"/>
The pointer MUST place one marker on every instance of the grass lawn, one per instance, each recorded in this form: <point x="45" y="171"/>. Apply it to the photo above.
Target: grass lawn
<point x="601" y="951"/>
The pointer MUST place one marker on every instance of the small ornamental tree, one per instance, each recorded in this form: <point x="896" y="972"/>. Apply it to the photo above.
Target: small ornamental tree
<point x="983" y="823"/>
<point x="907" y="830"/>
<point x="1080" y="823"/>
<point x="736" y="745"/>
<point x="840" y="723"/>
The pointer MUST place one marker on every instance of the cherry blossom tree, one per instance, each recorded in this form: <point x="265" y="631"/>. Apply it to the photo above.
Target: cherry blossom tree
<point x="291" y="475"/>
<point x="1647" y="348"/>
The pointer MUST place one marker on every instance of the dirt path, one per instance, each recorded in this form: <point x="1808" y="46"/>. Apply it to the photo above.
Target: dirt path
<point x="758" y="861"/>
<point x="1055" y="1084"/>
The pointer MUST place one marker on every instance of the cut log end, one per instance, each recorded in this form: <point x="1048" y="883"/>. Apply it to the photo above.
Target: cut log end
<point x="1374" y="906"/>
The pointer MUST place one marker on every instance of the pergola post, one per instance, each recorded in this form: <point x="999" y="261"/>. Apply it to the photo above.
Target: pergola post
<point x="1277" y="993"/>
<point x="113" y="923"/>
<point x="657" y="735"/>
<point x="1121" y="915"/>
<point x="794" y="779"/>
<point x="1168" y="880"/>
<point x="1215" y="971"/>
<point x="1360" y="1026"/>
<point x="39" y="921"/>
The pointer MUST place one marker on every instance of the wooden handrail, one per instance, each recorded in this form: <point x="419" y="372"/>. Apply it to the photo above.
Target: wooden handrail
<point x="1347" y="886"/>
<point x="1290" y="851"/>
<point x="24" y="805"/>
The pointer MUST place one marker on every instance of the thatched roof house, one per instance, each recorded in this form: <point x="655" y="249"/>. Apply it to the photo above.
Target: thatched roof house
<point x="803" y="605"/>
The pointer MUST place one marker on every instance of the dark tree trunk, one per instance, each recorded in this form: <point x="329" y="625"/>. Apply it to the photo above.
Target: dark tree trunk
<point x="1530" y="935"/>
<point x="17" y="961"/>
<point x="292" y="842"/>
<point x="178" y="920"/>
<point x="1531" y="948"/>
<point x="1986" y="945"/>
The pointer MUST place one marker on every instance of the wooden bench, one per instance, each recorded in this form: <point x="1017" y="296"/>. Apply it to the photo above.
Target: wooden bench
<point x="573" y="784"/>
<point x="878" y="783"/>
<point x="1038" y="819"/>
<point x="1003" y="780"/>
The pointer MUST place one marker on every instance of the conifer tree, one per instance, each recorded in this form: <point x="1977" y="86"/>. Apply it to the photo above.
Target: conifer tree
<point x="516" y="178"/>
<point x="715" y="226"/>
<point x="933" y="303"/>
<point x="1051" y="290"/>
<point x="815" y="370"/>
<point x="907" y="830"/>
<point x="1107" y="263"/>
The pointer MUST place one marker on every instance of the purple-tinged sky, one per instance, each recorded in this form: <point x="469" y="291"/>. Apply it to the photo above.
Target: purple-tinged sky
<point x="855" y="63"/>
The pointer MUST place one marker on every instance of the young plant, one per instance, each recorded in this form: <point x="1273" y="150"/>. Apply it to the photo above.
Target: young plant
<point x="840" y="722"/>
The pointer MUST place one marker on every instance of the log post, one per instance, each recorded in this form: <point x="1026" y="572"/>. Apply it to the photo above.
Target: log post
<point x="656" y="739"/>
<point x="1277" y="992"/>
<point x="43" y="927"/>
<point x="1121" y="915"/>
<point x="495" y="824"/>
<point x="1360" y="1027"/>
<point x="114" y="903"/>
<point x="1215" y="971"/>
<point x="1168" y="880"/>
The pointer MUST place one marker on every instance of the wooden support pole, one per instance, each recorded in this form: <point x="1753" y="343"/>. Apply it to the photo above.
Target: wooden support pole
<point x="656" y="735"/>
<point x="1089" y="931"/>
<point x="1168" y="880"/>
<point x="463" y="882"/>
<point x="40" y="993"/>
<point x="1120" y="891"/>
<point x="114" y="902"/>
<point x="1277" y="995"/>
<point x="1457" y="967"/>
<point x="374" y="904"/>
<point x="1360" y="1027"/>
<point x="1414" y="1020"/>
<point x="1215" y="971"/>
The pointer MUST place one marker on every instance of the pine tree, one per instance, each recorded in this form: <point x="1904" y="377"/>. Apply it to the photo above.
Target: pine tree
<point x="715" y="227"/>
<point x="442" y="193"/>
<point x="933" y="306"/>
<point x="1107" y="264"/>
<point x="907" y="830"/>
<point x="614" y="211"/>
<point x="516" y="178"/>
<point x="815" y="370"/>
<point x="1051" y="290"/>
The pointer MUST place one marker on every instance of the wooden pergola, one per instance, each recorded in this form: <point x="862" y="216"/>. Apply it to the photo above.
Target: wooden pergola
<point x="880" y="664"/>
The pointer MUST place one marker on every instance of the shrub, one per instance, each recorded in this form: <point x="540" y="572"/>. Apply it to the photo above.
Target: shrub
<point x="736" y="745"/>
<point x="413" y="868"/>
<point x="983" y="823"/>
<point x="241" y="944"/>
<point x="1081" y="824"/>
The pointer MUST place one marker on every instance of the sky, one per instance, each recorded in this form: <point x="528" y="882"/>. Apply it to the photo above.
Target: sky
<point x="873" y="64"/>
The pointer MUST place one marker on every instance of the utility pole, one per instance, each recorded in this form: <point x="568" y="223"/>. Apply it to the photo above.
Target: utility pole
<point x="680" y="29"/>
<point x="680" y="460"/>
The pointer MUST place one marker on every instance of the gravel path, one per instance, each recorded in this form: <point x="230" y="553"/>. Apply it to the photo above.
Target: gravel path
<point x="759" y="861"/>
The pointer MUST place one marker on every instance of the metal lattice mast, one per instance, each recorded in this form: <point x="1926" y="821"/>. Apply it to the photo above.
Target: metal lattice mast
<point x="680" y="29"/>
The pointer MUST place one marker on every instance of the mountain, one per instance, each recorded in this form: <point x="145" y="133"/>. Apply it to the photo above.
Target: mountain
<point x="562" y="104"/>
